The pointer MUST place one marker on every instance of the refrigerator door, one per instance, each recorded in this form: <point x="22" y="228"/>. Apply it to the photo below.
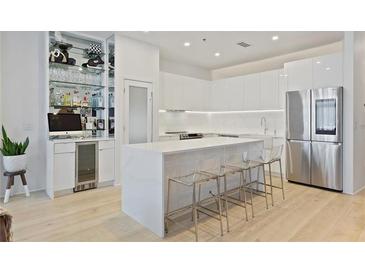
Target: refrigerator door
<point x="298" y="161"/>
<point x="326" y="165"/>
<point x="327" y="114"/>
<point x="298" y="113"/>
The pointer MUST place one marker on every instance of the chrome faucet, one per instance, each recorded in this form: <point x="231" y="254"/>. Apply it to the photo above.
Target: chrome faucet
<point x="263" y="121"/>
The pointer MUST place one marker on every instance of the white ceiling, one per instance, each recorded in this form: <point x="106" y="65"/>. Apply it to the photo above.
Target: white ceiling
<point x="225" y="42"/>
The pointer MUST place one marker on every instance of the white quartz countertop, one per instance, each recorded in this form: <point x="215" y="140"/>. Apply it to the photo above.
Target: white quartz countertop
<point x="233" y="133"/>
<point x="170" y="147"/>
<point x="81" y="139"/>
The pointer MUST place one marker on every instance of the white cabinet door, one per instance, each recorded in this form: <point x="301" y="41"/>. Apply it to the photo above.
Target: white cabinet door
<point x="217" y="99"/>
<point x="299" y="74"/>
<point x="269" y="89"/>
<point x="328" y="70"/>
<point x="283" y="88"/>
<point x="234" y="93"/>
<point x="64" y="171"/>
<point x="252" y="91"/>
<point x="106" y="165"/>
<point x="172" y="86"/>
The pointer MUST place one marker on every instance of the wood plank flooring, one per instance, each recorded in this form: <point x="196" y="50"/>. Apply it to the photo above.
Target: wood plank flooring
<point x="307" y="214"/>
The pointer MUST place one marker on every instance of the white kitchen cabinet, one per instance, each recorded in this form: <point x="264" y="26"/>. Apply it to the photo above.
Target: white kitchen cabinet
<point x="217" y="100"/>
<point x="64" y="170"/>
<point x="269" y="90"/>
<point x="179" y="92"/>
<point x="283" y="88"/>
<point x="327" y="70"/>
<point x="106" y="161"/>
<point x="234" y="93"/>
<point x="299" y="74"/>
<point x="252" y="91"/>
<point x="172" y="86"/>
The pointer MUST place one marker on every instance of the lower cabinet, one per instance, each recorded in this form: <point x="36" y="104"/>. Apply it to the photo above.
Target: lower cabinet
<point x="64" y="171"/>
<point x="106" y="161"/>
<point x="63" y="174"/>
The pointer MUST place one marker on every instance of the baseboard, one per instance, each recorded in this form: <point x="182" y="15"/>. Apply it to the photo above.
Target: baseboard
<point x="357" y="191"/>
<point x="22" y="192"/>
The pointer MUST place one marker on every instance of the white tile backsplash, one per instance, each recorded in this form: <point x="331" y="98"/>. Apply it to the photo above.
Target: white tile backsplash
<point x="244" y="122"/>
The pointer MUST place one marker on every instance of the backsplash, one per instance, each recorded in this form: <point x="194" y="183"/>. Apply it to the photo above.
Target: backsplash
<point x="242" y="122"/>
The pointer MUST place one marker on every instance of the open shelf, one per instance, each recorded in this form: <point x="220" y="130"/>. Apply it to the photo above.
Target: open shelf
<point x="76" y="107"/>
<point x="74" y="84"/>
<point x="96" y="70"/>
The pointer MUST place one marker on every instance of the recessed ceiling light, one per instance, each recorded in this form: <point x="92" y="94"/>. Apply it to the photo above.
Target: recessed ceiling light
<point x="217" y="54"/>
<point x="187" y="44"/>
<point x="275" y="37"/>
<point x="318" y="62"/>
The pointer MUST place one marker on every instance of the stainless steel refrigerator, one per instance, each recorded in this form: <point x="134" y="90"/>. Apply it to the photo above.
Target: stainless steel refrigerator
<point x="314" y="137"/>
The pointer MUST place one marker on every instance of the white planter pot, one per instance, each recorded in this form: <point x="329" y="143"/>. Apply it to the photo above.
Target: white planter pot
<point x="15" y="163"/>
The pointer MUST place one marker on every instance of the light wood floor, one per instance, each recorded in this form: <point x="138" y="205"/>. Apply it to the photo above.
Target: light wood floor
<point x="307" y="214"/>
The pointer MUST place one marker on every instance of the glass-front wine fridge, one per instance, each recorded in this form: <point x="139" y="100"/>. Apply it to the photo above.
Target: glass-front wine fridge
<point x="86" y="166"/>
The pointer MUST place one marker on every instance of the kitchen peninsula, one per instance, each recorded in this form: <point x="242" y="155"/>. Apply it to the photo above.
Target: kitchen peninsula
<point x="146" y="168"/>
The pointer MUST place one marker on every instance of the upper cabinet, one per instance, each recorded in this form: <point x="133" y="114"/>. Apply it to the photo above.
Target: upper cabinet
<point x="183" y="93"/>
<point x="283" y="87"/>
<point x="327" y="70"/>
<point x="299" y="74"/>
<point x="315" y="72"/>
<point x="269" y="90"/>
<point x="252" y="92"/>
<point x="235" y="92"/>
<point x="227" y="94"/>
<point x="258" y="91"/>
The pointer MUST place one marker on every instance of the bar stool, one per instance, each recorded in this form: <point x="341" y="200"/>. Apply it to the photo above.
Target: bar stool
<point x="268" y="157"/>
<point x="194" y="180"/>
<point x="223" y="171"/>
<point x="245" y="166"/>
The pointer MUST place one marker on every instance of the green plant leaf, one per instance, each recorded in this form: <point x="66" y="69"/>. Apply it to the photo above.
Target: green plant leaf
<point x="10" y="148"/>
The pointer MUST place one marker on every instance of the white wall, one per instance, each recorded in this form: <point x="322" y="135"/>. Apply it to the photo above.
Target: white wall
<point x="359" y="111"/>
<point x="184" y="69"/>
<point x="134" y="61"/>
<point x="23" y="99"/>
<point x="276" y="62"/>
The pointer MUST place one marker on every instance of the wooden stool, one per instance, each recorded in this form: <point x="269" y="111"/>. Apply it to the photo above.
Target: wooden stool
<point x="11" y="182"/>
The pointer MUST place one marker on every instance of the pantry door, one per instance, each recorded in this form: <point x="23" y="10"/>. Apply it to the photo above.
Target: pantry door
<point x="138" y="112"/>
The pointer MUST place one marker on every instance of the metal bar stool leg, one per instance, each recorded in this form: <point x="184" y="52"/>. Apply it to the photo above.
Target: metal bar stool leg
<point x="240" y="186"/>
<point x="225" y="199"/>
<point x="282" y="181"/>
<point x="195" y="212"/>
<point x="249" y="175"/>
<point x="167" y="205"/>
<point x="244" y="199"/>
<point x="271" y="188"/>
<point x="219" y="206"/>
<point x="265" y="189"/>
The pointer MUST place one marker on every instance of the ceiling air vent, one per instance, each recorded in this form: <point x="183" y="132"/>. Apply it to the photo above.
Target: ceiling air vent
<point x="243" y="44"/>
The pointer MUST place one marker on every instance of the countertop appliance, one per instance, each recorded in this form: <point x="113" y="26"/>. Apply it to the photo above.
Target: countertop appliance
<point x="314" y="137"/>
<point x="187" y="136"/>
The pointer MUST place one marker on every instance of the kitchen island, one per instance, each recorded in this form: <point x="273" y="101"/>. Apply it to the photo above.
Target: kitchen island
<point x="147" y="167"/>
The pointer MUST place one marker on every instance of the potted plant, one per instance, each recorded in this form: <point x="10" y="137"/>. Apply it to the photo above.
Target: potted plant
<point x="14" y="157"/>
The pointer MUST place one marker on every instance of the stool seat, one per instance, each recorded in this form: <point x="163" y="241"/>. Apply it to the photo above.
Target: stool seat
<point x="11" y="176"/>
<point x="6" y="173"/>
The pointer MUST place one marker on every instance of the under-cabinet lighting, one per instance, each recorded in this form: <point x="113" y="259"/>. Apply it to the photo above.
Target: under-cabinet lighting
<point x="318" y="62"/>
<point x="275" y="37"/>
<point x="187" y="44"/>
<point x="228" y="111"/>
<point x="217" y="54"/>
